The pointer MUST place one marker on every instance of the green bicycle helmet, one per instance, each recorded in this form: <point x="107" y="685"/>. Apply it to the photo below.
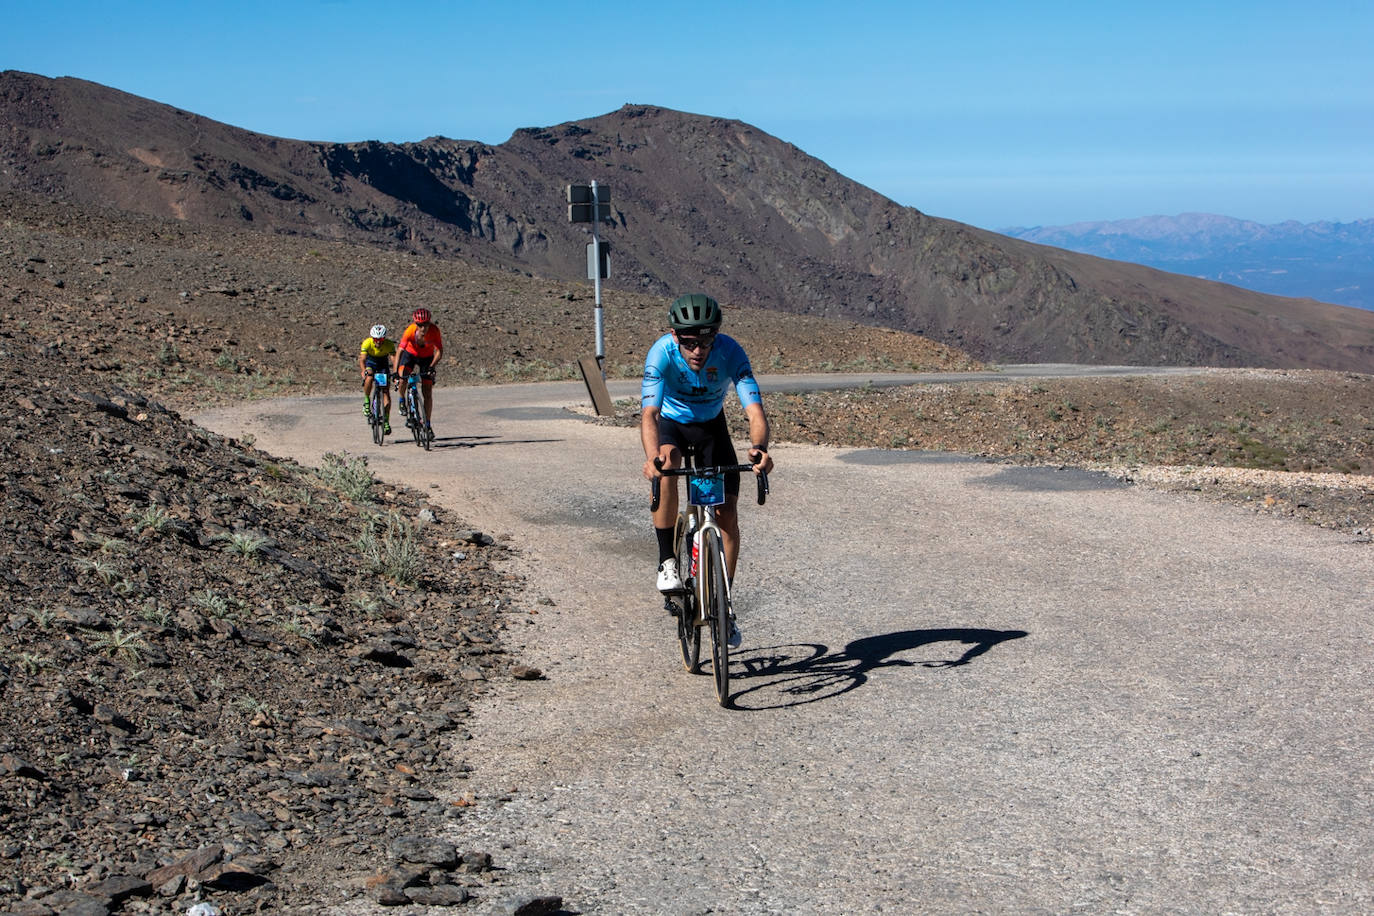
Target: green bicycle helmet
<point x="694" y="311"/>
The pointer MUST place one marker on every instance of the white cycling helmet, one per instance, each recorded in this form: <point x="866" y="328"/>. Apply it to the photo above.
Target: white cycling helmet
<point x="378" y="331"/>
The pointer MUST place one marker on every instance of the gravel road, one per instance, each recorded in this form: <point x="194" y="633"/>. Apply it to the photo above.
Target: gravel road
<point x="964" y="687"/>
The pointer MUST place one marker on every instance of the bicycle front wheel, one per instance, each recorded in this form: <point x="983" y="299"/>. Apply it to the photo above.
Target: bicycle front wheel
<point x="417" y="425"/>
<point x="688" y="633"/>
<point x="377" y="418"/>
<point x="714" y="595"/>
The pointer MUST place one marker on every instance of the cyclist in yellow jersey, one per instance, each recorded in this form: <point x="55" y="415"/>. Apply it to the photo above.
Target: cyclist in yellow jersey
<point x="377" y="353"/>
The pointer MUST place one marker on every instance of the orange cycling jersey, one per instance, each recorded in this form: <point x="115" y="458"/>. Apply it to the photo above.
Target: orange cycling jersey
<point x="427" y="344"/>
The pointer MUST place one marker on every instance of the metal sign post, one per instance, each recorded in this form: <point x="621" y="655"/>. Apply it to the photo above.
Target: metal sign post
<point x="596" y="285"/>
<point x="591" y="204"/>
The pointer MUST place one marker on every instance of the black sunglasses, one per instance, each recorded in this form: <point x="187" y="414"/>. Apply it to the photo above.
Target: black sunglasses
<point x="698" y="341"/>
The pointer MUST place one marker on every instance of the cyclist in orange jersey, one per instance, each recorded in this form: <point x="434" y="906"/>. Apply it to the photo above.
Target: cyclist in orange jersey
<point x="421" y="347"/>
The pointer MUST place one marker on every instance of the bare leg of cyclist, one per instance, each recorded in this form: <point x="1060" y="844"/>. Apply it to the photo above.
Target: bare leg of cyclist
<point x="428" y="390"/>
<point x="727" y="516"/>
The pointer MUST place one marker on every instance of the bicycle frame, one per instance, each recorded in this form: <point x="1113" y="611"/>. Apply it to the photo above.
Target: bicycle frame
<point x="414" y="397"/>
<point x="414" y="404"/>
<point x="699" y="520"/>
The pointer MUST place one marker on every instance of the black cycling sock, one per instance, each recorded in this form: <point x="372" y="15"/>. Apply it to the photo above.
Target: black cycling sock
<point x="665" y="543"/>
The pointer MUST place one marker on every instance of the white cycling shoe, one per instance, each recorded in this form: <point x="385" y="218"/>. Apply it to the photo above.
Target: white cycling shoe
<point x="668" y="578"/>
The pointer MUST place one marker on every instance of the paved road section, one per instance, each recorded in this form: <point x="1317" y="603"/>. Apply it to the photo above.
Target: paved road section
<point x="963" y="687"/>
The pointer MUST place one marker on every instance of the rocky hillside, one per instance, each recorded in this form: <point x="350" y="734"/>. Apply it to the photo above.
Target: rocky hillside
<point x="697" y="202"/>
<point x="225" y="677"/>
<point x="197" y="314"/>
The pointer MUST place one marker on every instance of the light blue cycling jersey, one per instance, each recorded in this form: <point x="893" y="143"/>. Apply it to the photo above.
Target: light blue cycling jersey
<point x="695" y="397"/>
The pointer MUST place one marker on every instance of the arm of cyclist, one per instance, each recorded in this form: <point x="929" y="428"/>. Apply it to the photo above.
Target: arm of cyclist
<point x="758" y="439"/>
<point x="653" y="449"/>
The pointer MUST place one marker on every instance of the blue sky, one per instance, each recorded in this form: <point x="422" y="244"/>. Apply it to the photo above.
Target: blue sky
<point x="993" y="113"/>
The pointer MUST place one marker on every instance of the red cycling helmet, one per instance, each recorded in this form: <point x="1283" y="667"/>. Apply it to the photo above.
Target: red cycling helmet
<point x="420" y="316"/>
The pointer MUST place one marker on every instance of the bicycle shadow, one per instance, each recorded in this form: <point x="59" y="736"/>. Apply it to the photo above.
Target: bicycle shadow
<point x="796" y="675"/>
<point x="460" y="441"/>
<point x="471" y="441"/>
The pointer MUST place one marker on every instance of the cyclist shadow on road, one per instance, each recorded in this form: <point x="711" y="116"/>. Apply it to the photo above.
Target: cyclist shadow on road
<point x="798" y="674"/>
<point x="477" y="441"/>
<point x="460" y="441"/>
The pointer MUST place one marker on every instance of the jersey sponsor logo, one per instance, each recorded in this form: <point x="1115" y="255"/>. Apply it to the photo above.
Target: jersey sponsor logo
<point x="712" y="374"/>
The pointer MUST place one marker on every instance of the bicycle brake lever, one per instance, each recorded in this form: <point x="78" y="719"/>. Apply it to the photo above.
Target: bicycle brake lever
<point x="654" y="487"/>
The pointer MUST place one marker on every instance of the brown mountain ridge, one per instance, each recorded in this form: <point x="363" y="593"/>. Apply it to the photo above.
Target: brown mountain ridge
<point x="697" y="202"/>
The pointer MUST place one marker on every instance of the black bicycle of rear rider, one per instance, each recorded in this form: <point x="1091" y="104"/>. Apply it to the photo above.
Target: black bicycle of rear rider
<point x="378" y="419"/>
<point x="704" y="600"/>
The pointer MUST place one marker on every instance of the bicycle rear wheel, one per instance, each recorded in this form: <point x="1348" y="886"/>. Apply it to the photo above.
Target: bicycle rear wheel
<point x="688" y="633"/>
<point x="714" y="596"/>
<point x="377" y="418"/>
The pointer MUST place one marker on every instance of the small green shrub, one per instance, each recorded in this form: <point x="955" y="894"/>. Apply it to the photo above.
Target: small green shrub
<point x="106" y="572"/>
<point x="155" y="613"/>
<point x="246" y="543"/>
<point x="369" y="605"/>
<point x="251" y="705"/>
<point x="154" y="519"/>
<point x="296" y="627"/>
<point x="214" y="604"/>
<point x="348" y="474"/>
<point x="119" y="644"/>
<point x="396" y="555"/>
<point x="112" y="544"/>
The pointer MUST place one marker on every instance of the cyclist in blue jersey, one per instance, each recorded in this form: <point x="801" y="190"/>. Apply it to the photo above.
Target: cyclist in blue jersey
<point x="687" y="375"/>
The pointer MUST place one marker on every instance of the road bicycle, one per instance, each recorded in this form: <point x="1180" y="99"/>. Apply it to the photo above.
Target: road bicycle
<point x="378" y="405"/>
<point x="413" y="404"/>
<point x="704" y="600"/>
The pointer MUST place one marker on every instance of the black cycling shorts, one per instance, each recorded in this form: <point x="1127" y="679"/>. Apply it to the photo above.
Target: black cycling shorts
<point x="711" y="440"/>
<point x="423" y="362"/>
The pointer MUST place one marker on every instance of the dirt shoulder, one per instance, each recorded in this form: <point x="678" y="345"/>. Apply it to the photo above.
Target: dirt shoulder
<point x="1293" y="443"/>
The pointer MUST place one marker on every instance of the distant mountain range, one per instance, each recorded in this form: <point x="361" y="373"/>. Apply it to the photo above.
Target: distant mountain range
<point x="1332" y="262"/>
<point x="697" y="202"/>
